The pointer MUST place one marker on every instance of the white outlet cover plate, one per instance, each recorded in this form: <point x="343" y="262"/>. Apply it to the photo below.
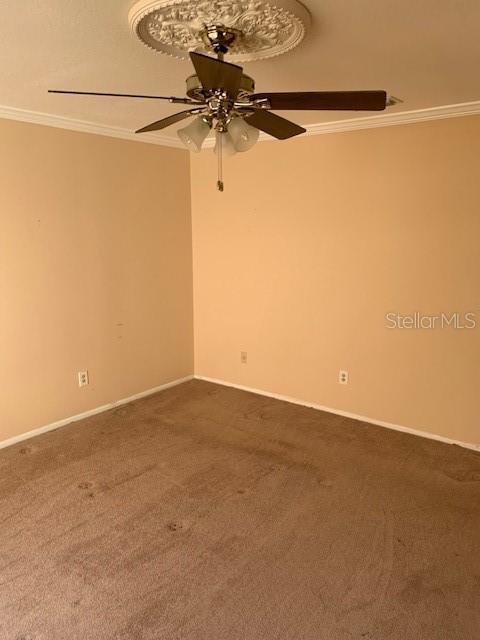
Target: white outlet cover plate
<point x="82" y="378"/>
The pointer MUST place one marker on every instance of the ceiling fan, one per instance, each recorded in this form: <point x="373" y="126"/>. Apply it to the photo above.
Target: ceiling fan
<point x="223" y="98"/>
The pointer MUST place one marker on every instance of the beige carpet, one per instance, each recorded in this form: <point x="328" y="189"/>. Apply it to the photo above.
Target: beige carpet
<point x="209" y="513"/>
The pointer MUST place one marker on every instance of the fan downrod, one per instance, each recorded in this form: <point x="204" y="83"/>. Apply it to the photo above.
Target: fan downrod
<point x="219" y="38"/>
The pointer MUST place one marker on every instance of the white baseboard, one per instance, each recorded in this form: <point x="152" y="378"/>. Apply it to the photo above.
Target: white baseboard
<point x="91" y="412"/>
<point x="345" y="414"/>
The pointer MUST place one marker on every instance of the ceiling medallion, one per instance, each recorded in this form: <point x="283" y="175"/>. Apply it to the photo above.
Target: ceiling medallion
<point x="263" y="28"/>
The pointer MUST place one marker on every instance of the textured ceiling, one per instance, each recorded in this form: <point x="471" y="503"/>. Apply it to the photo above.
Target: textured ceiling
<point x="427" y="53"/>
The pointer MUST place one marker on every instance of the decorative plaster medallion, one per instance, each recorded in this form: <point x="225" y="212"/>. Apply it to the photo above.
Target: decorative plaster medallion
<point x="267" y="27"/>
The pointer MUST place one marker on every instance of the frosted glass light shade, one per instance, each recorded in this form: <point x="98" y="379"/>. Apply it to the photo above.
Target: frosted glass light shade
<point x="228" y="148"/>
<point x="194" y="135"/>
<point x="243" y="135"/>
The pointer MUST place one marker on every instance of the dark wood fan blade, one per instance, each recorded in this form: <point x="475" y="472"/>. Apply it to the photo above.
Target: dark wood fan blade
<point x="274" y="125"/>
<point x="124" y="95"/>
<point x="326" y="100"/>
<point x="217" y="74"/>
<point x="166" y="122"/>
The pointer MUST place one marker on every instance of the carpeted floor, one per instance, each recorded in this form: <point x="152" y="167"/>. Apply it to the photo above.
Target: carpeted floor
<point x="209" y="513"/>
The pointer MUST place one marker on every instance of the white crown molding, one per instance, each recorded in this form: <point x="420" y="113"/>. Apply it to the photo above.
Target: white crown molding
<point x="395" y="118"/>
<point x="383" y="120"/>
<point x="336" y="126"/>
<point x="60" y="122"/>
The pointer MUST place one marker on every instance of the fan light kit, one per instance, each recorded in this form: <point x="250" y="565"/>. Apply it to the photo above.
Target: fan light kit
<point x="220" y="96"/>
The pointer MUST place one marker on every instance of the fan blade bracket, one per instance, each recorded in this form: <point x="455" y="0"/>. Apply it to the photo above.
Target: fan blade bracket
<point x="262" y="103"/>
<point x="185" y="101"/>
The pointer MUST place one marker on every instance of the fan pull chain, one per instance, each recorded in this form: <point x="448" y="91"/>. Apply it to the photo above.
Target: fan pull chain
<point x="220" y="164"/>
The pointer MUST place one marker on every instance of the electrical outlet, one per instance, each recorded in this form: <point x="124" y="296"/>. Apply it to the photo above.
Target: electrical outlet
<point x="82" y="378"/>
<point x="343" y="377"/>
<point x="243" y="357"/>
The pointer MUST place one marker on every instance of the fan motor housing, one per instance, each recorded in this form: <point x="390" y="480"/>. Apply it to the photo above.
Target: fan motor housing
<point x="196" y="91"/>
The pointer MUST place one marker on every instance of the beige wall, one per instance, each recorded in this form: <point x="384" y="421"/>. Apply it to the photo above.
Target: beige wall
<point x="95" y="271"/>
<point x="297" y="262"/>
<point x="314" y="240"/>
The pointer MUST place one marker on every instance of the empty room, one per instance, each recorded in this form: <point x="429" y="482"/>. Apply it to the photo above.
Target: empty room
<point x="239" y="320"/>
